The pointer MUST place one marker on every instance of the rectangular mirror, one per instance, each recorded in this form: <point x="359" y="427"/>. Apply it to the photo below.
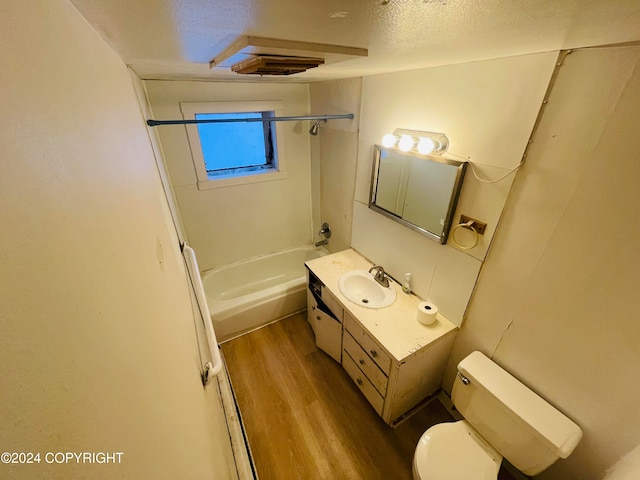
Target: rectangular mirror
<point x="418" y="191"/>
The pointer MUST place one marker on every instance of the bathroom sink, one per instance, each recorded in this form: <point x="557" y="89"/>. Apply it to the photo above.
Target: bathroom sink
<point x="361" y="288"/>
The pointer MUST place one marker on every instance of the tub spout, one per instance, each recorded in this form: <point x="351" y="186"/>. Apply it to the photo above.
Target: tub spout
<point x="325" y="232"/>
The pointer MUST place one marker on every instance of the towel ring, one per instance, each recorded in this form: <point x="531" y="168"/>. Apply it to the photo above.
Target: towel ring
<point x="469" y="226"/>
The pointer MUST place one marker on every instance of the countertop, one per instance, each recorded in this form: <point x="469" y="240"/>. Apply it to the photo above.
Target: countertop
<point x="395" y="327"/>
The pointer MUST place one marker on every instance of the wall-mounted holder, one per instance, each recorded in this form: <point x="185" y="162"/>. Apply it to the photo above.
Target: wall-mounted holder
<point x="477" y="225"/>
<point x="471" y="224"/>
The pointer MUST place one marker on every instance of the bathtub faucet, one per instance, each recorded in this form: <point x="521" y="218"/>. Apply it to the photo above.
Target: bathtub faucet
<point x="325" y="232"/>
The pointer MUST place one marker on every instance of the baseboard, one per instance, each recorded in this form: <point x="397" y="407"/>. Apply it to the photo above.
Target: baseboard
<point x="412" y="411"/>
<point x="237" y="433"/>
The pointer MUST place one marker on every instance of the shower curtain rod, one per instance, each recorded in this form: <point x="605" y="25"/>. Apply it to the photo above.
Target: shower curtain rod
<point x="155" y="123"/>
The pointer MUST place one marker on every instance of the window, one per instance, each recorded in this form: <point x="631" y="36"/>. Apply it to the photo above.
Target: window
<point x="237" y="148"/>
<point x="232" y="153"/>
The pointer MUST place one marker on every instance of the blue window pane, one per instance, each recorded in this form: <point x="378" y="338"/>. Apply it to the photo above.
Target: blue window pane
<point x="235" y="145"/>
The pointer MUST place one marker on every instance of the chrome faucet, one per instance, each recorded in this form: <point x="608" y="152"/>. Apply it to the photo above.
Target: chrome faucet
<point x="380" y="276"/>
<point x="325" y="232"/>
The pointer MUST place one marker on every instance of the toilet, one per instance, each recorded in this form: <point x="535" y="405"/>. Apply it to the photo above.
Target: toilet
<point x="502" y="419"/>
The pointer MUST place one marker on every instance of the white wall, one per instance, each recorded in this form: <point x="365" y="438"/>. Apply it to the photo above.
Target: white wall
<point x="627" y="468"/>
<point x="97" y="349"/>
<point x="232" y="223"/>
<point x="557" y="301"/>
<point x="487" y="109"/>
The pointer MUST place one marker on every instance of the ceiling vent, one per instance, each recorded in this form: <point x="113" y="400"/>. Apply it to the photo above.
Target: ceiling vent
<point x="270" y="56"/>
<point x="270" y="65"/>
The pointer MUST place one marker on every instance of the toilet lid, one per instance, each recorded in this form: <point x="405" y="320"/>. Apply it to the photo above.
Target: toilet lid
<point x="449" y="451"/>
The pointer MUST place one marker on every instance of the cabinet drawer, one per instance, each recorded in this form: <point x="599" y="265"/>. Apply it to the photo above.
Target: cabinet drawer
<point x="364" y="362"/>
<point x="332" y="303"/>
<point x="379" y="356"/>
<point x="366" y="387"/>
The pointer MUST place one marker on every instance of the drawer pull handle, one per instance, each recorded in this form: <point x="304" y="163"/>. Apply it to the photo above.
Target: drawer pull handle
<point x="374" y="354"/>
<point x="318" y="317"/>
<point x="359" y="381"/>
<point x="361" y="362"/>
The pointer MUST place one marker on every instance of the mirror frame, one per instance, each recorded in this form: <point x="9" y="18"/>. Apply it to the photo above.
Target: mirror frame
<point x="453" y="201"/>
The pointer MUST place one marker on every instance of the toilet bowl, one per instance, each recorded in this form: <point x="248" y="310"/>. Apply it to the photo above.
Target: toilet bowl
<point x="454" y="451"/>
<point x="502" y="418"/>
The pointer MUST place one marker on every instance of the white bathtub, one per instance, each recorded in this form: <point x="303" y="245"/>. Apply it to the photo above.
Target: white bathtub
<point x="251" y="293"/>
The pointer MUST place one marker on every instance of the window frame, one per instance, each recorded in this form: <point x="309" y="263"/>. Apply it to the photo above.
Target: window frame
<point x="189" y="112"/>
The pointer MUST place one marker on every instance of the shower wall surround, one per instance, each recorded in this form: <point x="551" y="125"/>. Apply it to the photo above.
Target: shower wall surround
<point x="333" y="158"/>
<point x="233" y="223"/>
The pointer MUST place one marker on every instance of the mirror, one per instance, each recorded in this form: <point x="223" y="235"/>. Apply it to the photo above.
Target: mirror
<point x="419" y="191"/>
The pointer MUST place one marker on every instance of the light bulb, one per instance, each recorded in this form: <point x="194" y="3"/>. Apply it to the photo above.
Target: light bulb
<point x="389" y="140"/>
<point x="405" y="143"/>
<point x="426" y="145"/>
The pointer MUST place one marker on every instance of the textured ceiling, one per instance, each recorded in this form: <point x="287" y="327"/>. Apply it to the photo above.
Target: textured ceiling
<point x="178" y="38"/>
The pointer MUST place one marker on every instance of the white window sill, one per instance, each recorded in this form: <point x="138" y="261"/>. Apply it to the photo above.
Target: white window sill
<point x="242" y="180"/>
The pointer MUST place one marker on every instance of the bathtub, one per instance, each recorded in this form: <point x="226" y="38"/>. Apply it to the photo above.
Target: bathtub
<point x="251" y="293"/>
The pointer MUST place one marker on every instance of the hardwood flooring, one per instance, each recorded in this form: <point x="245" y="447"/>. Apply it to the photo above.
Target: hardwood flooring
<point x="305" y="418"/>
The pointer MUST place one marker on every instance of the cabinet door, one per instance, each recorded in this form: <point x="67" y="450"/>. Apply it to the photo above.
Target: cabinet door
<point x="332" y="303"/>
<point x="328" y="334"/>
<point x="312" y="306"/>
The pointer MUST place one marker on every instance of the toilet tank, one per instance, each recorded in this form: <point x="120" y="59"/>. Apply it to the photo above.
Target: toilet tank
<point x="524" y="428"/>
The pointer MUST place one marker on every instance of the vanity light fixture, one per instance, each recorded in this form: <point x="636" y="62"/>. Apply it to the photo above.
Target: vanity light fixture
<point x="426" y="143"/>
<point x="406" y="143"/>
<point x="389" y="140"/>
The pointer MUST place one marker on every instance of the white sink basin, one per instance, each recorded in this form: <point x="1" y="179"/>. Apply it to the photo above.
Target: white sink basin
<point x="361" y="288"/>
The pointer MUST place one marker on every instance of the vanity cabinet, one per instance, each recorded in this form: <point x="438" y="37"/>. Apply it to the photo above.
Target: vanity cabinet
<point x="396" y="362"/>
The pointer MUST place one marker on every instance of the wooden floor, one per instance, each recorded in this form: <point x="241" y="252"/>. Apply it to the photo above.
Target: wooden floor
<point x="305" y="418"/>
